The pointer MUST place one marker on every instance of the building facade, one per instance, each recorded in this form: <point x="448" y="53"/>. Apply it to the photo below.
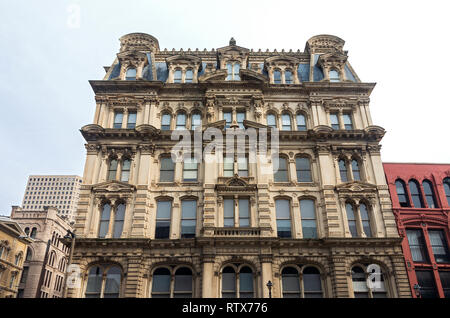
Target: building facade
<point x="312" y="214"/>
<point x="420" y="195"/>
<point x="60" y="191"/>
<point x="13" y="248"/>
<point x="46" y="259"/>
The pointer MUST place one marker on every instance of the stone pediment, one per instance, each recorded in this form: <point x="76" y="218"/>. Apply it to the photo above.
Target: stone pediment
<point x="235" y="184"/>
<point x="253" y="124"/>
<point x="249" y="75"/>
<point x="148" y="130"/>
<point x="218" y="75"/>
<point x="356" y="187"/>
<point x="111" y="187"/>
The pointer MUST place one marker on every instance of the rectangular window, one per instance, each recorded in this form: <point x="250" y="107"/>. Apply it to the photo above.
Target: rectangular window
<point x="439" y="246"/>
<point x="163" y="217"/>
<point x="425" y="279"/>
<point x="417" y="246"/>
<point x="445" y="282"/>
<point x="165" y="122"/>
<point x="188" y="218"/>
<point x="228" y="212"/>
<point x="244" y="213"/>
<point x="228" y="167"/>
<point x="308" y="215"/>
<point x="167" y="170"/>
<point x="283" y="213"/>
<point x="347" y="121"/>
<point x="334" y="121"/>
<point x="240" y="117"/>
<point x="131" y="120"/>
<point x="242" y="166"/>
<point x="190" y="171"/>
<point x="281" y="175"/>
<point x="228" y="118"/>
<point x="118" y="117"/>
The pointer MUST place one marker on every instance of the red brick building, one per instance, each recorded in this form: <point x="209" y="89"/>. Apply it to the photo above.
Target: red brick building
<point x="420" y="195"/>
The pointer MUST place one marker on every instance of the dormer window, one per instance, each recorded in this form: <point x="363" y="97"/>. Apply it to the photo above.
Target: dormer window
<point x="334" y="76"/>
<point x="177" y="76"/>
<point x="189" y="76"/>
<point x="288" y="77"/>
<point x="233" y="71"/>
<point x="277" y="77"/>
<point x="131" y="74"/>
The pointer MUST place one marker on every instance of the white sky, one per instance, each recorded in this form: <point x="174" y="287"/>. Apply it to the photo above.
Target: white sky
<point x="46" y="64"/>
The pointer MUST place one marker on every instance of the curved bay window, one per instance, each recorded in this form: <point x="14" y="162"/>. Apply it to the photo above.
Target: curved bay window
<point x="104" y="282"/>
<point x="166" y="285"/>
<point x="360" y="278"/>
<point x="429" y="194"/>
<point x="401" y="193"/>
<point x="237" y="282"/>
<point x="308" y="284"/>
<point x="416" y="195"/>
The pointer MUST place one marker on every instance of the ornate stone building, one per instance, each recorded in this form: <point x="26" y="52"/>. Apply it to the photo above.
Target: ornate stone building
<point x="147" y="226"/>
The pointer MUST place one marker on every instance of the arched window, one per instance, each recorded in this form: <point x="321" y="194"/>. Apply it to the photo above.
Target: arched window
<point x="303" y="169"/>
<point x="343" y="170"/>
<point x="307" y="285"/>
<point x="281" y="175"/>
<point x="228" y="282"/>
<point x="288" y="77"/>
<point x="189" y="76"/>
<point x="118" y="220"/>
<point x="188" y="218"/>
<point x="104" y="221"/>
<point x="356" y="171"/>
<point x="351" y="219"/>
<point x="429" y="194"/>
<point x="271" y="121"/>
<point x="308" y="217"/>
<point x="237" y="286"/>
<point x="283" y="213"/>
<point x="277" y="77"/>
<point x="365" y="219"/>
<point x="401" y="193"/>
<point x="190" y="169"/>
<point x="33" y="232"/>
<point x="125" y="174"/>
<point x="165" y="121"/>
<point x="112" y="170"/>
<point x="181" y="121"/>
<point x="416" y="196"/>
<point x="291" y="282"/>
<point x="131" y="74"/>
<point x="183" y="283"/>
<point x="163" y="219"/>
<point x="161" y="283"/>
<point x="245" y="282"/>
<point x="334" y="76"/>
<point x="27" y="231"/>
<point x="301" y="122"/>
<point x="286" y="122"/>
<point x="167" y="170"/>
<point x="360" y="278"/>
<point x="103" y="286"/>
<point x="51" y="259"/>
<point x="447" y="189"/>
<point x="312" y="283"/>
<point x="177" y="76"/>
<point x="196" y="121"/>
<point x="360" y="289"/>
<point x="29" y="255"/>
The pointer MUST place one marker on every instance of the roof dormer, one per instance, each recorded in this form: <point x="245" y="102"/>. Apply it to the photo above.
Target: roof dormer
<point x="232" y="58"/>
<point x="183" y="68"/>
<point x="282" y="69"/>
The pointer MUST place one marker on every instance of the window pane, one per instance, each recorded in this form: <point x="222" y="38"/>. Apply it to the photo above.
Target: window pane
<point x="229" y="71"/>
<point x="347" y="121"/>
<point x="281" y="175"/>
<point x="334" y="76"/>
<point x="118" y="117"/>
<point x="303" y="170"/>
<point x="228" y="212"/>
<point x="242" y="166"/>
<point x="189" y="76"/>
<point x="291" y="284"/>
<point x="112" y="169"/>
<point x="246" y="283"/>
<point x="177" y="76"/>
<point x="181" y="121"/>
<point x="119" y="219"/>
<point x="131" y="74"/>
<point x="447" y="189"/>
<point x="228" y="118"/>
<point x="445" y="281"/>
<point x="286" y="122"/>
<point x="167" y="170"/>
<point x="288" y="77"/>
<point x="426" y="281"/>
<point x="365" y="219"/>
<point x="439" y="246"/>
<point x="244" y="213"/>
<point x="343" y="170"/>
<point x="415" y="194"/>
<point x="351" y="219"/>
<point x="277" y="77"/>
<point x="104" y="221"/>
<point x="228" y="169"/>
<point x="355" y="170"/>
<point x="94" y="283"/>
<point x="161" y="281"/>
<point x="112" y="285"/>
<point x="429" y="194"/>
<point x="283" y="218"/>
<point x="312" y="283"/>
<point x="301" y="123"/>
<point x="228" y="283"/>
<point x="417" y="245"/>
<point x="271" y="122"/>
<point x="131" y="120"/>
<point x="196" y="121"/>
<point x="164" y="208"/>
<point x="401" y="193"/>
<point x="308" y="215"/>
<point x="236" y="69"/>
<point x="165" y="122"/>
<point x="240" y="117"/>
<point x="183" y="281"/>
<point x="334" y="121"/>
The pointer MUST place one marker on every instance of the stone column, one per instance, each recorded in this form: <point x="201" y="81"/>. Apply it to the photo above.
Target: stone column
<point x="266" y="274"/>
<point x="207" y="277"/>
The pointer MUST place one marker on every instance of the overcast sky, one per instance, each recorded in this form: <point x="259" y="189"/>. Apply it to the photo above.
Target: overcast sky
<point x="46" y="60"/>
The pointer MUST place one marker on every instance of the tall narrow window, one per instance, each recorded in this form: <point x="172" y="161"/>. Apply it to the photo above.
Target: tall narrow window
<point x="33" y="232"/>
<point x="244" y="213"/>
<point x="181" y="121"/>
<point x="163" y="217"/>
<point x="417" y="246"/>
<point x="401" y="193"/>
<point x="334" y="121"/>
<point x="291" y="282"/>
<point x="229" y="71"/>
<point x="183" y="283"/>
<point x="118" y="117"/>
<point x="365" y="220"/>
<point x="439" y="246"/>
<point x="104" y="221"/>
<point x="246" y="282"/>
<point x="131" y="123"/>
<point x="425" y="279"/>
<point x="360" y="288"/>
<point x="277" y="77"/>
<point x="303" y="169"/>
<point x="429" y="194"/>
<point x="356" y="171"/>
<point x="236" y="69"/>
<point x="228" y="167"/>
<point x="189" y="76"/>
<point x="177" y="76"/>
<point x="242" y="166"/>
<point x="94" y="283"/>
<point x="283" y="213"/>
<point x="445" y="282"/>
<point x="228" y="118"/>
<point x="118" y="220"/>
<point x="351" y="219"/>
<point x="416" y="196"/>
<point x="161" y="283"/>
<point x="286" y="122"/>
<point x="190" y="169"/>
<point x="271" y="121"/>
<point x="196" y="121"/>
<point x="348" y="124"/>
<point x="131" y="74"/>
<point x="281" y="175"/>
<point x="165" y="121"/>
<point x="167" y="170"/>
<point x="308" y="216"/>
<point x="334" y="76"/>
<point x="228" y="212"/>
<point x="125" y="174"/>
<point x="447" y="189"/>
<point x="112" y="282"/>
<point x="301" y="122"/>
<point x="188" y="218"/>
<point x="343" y="170"/>
<point x="288" y="77"/>
<point x="312" y="283"/>
<point x="240" y="117"/>
<point x="228" y="282"/>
